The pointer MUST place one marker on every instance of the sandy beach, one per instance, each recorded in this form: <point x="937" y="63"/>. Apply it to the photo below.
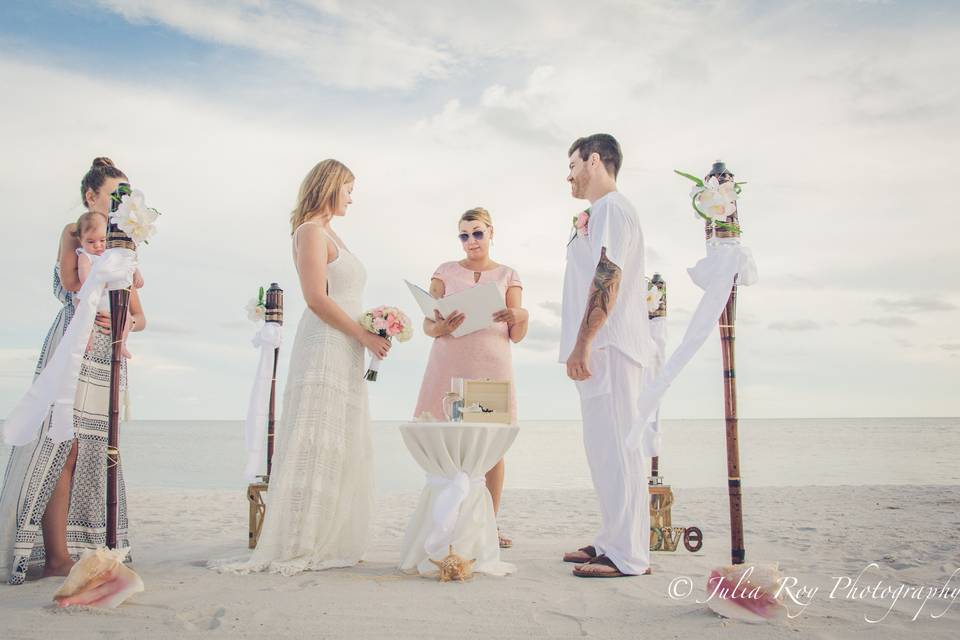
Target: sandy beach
<point x="816" y="533"/>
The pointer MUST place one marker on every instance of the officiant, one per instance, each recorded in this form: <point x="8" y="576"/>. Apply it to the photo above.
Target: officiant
<point x="481" y="354"/>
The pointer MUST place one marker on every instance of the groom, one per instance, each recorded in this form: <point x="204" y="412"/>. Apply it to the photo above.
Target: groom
<point x="605" y="342"/>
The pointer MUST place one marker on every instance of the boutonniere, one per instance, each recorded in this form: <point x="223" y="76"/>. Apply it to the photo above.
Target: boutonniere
<point x="581" y="225"/>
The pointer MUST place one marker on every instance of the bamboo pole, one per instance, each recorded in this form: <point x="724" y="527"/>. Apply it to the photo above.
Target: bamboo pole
<point x="727" y="342"/>
<point x="727" y="339"/>
<point x="119" y="305"/>
<point x="660" y="312"/>
<point x="274" y="313"/>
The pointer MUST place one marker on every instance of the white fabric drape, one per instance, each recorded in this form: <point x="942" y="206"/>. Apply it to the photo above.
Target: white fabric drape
<point x="446" y="509"/>
<point x="652" y="439"/>
<point x="267" y="339"/>
<point x="57" y="383"/>
<point x="725" y="261"/>
<point x="455" y="507"/>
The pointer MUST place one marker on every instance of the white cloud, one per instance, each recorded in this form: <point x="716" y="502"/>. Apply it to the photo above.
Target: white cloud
<point x="338" y="46"/>
<point x="919" y="303"/>
<point x="795" y="325"/>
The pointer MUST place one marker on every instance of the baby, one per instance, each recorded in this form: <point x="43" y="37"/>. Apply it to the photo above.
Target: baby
<point x="92" y="232"/>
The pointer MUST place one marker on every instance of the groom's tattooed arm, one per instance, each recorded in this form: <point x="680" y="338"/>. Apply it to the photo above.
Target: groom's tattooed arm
<point x="603" y="295"/>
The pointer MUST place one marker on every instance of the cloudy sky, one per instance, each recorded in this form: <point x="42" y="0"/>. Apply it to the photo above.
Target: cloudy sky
<point x="841" y="116"/>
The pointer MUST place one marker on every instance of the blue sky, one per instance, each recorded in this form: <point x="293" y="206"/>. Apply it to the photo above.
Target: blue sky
<point x="841" y="115"/>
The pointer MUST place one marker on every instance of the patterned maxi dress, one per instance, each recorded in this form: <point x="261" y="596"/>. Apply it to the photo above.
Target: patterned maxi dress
<point x="34" y="469"/>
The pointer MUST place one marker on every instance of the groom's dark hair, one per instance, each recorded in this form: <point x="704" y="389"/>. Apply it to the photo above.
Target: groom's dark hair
<point x="604" y="145"/>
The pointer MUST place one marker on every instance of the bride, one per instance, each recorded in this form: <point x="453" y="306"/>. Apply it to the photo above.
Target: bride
<point x="321" y="492"/>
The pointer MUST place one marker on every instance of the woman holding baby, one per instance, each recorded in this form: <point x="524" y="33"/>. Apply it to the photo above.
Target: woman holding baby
<point x="52" y="505"/>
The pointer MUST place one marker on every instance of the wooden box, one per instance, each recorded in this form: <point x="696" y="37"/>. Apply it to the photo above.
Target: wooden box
<point x="258" y="509"/>
<point x="491" y="394"/>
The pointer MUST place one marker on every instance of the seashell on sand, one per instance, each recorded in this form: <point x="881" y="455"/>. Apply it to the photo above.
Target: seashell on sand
<point x="99" y="579"/>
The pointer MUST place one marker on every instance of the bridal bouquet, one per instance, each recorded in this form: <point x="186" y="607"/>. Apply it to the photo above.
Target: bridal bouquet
<point x="389" y="323"/>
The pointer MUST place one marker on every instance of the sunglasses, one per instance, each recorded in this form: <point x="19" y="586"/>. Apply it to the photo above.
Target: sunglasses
<point x="477" y="235"/>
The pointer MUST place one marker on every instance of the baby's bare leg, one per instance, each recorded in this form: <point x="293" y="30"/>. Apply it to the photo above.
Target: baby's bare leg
<point x="123" y="339"/>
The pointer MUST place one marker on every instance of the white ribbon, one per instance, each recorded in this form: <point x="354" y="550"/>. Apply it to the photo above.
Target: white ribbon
<point x="446" y="509"/>
<point x="725" y="261"/>
<point x="57" y="383"/>
<point x="267" y="339"/>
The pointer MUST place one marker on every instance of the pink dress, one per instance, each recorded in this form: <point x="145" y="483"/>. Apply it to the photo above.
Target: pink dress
<point x="481" y="354"/>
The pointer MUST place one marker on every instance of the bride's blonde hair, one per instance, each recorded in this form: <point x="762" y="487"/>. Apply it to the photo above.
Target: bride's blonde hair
<point x="320" y="192"/>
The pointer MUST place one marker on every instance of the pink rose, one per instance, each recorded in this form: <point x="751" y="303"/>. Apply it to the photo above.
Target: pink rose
<point x="394" y="326"/>
<point x="379" y="324"/>
<point x="581" y="223"/>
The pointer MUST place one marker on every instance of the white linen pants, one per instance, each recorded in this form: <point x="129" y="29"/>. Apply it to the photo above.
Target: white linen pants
<point x="608" y="403"/>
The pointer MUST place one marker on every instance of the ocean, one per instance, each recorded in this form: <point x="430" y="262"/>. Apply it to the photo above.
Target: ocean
<point x="549" y="455"/>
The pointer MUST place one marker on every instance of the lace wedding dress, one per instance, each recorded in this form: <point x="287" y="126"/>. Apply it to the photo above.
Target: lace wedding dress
<point x="321" y="492"/>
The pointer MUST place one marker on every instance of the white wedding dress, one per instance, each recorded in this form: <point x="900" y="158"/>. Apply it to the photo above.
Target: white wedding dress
<point x="321" y="492"/>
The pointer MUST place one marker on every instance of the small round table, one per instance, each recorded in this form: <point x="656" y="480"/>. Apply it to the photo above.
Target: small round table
<point x="455" y="507"/>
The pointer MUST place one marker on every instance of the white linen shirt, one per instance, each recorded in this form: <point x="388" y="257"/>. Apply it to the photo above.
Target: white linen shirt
<point x="613" y="225"/>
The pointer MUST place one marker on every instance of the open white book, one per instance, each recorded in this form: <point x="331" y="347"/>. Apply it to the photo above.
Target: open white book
<point x="477" y="304"/>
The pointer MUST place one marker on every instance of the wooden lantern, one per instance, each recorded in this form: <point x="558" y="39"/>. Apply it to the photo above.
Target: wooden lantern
<point x="258" y="510"/>
<point x="255" y="490"/>
<point x="661" y="495"/>
<point x="730" y="229"/>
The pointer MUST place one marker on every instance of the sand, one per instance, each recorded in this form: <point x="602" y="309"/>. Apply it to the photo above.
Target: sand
<point x="816" y="533"/>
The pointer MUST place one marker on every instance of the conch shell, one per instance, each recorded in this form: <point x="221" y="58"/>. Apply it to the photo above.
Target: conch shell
<point x="99" y="579"/>
<point x="454" y="567"/>
<point x="746" y="592"/>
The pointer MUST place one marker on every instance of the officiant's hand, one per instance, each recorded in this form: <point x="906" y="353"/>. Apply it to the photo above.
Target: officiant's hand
<point x="446" y="326"/>
<point x="578" y="364"/>
<point x="510" y="315"/>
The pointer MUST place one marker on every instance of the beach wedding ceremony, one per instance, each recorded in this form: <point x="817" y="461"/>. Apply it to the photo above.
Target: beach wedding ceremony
<point x="501" y="320"/>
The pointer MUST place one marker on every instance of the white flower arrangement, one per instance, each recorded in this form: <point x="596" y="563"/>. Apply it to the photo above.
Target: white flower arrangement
<point x="135" y="218"/>
<point x="653" y="298"/>
<point x="257" y="308"/>
<point x="714" y="201"/>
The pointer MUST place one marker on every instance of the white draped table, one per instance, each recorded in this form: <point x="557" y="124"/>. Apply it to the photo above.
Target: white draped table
<point x="455" y="506"/>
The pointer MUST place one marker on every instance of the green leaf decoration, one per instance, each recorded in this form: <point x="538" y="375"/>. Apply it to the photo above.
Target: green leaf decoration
<point x="689" y="176"/>
<point x="260" y="298"/>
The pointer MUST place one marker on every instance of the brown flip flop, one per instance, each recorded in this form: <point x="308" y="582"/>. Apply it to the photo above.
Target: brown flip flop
<point x="590" y="550"/>
<point x="607" y="562"/>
